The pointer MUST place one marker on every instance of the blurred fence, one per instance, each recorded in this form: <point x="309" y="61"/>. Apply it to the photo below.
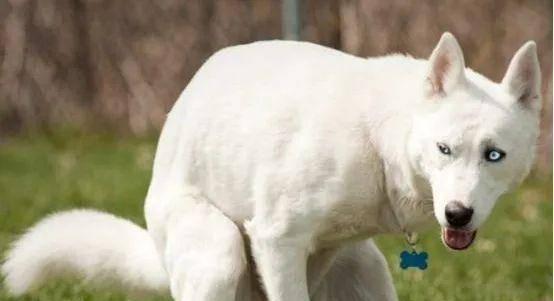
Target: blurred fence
<point x="121" y="64"/>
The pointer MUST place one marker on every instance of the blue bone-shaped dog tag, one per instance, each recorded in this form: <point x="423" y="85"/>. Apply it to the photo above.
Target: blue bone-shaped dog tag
<point x="413" y="259"/>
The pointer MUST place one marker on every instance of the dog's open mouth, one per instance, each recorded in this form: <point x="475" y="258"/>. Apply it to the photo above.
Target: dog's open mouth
<point x="457" y="239"/>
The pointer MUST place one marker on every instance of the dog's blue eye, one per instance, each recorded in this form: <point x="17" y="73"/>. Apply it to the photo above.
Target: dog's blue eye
<point x="494" y="155"/>
<point x="444" y="149"/>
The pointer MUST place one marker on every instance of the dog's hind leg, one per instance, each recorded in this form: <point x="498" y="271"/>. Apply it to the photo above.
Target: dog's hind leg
<point x="204" y="253"/>
<point x="358" y="273"/>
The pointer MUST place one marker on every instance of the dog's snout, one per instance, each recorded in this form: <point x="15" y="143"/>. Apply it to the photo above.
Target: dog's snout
<point x="457" y="214"/>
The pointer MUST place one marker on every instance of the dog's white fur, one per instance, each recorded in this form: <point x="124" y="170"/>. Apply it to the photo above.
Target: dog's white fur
<point x="285" y="157"/>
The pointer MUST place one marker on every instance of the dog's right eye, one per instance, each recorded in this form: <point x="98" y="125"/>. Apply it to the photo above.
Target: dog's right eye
<point x="444" y="149"/>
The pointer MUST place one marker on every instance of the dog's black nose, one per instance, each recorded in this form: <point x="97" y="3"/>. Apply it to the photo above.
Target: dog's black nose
<point x="457" y="214"/>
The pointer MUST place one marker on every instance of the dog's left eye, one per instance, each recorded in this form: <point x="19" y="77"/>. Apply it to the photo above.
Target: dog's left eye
<point x="444" y="149"/>
<point x="494" y="155"/>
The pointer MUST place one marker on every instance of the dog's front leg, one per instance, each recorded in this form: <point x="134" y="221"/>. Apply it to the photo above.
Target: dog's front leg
<point x="318" y="267"/>
<point x="281" y="260"/>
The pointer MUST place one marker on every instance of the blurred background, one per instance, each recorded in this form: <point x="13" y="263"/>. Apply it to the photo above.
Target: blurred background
<point x="85" y="86"/>
<point x="122" y="64"/>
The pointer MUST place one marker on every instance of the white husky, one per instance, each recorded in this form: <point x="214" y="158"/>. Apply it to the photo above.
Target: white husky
<point x="281" y="159"/>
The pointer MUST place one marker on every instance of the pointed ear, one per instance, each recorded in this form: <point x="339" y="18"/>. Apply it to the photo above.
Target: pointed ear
<point x="446" y="66"/>
<point x="523" y="78"/>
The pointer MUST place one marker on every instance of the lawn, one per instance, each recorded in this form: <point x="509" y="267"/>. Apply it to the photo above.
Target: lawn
<point x="41" y="174"/>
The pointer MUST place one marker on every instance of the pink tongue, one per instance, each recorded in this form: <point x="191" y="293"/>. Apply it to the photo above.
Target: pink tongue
<point x="457" y="239"/>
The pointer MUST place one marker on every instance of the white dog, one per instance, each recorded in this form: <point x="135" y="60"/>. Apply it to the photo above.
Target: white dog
<point x="281" y="159"/>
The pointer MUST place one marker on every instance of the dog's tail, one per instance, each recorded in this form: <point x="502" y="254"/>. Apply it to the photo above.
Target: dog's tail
<point x="97" y="247"/>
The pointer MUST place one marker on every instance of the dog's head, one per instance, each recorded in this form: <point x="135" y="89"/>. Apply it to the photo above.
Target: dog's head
<point x="474" y="139"/>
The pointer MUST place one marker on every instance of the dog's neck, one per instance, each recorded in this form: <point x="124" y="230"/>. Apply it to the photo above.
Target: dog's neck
<point x="408" y="200"/>
<point x="408" y="205"/>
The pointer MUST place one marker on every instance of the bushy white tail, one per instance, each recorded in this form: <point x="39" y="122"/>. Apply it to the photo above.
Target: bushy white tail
<point x="97" y="247"/>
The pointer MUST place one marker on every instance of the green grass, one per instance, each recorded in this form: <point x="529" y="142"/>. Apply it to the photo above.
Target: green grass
<point x="41" y="174"/>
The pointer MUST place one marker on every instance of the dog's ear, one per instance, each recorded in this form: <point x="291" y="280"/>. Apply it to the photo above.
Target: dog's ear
<point x="523" y="78"/>
<point x="446" y="66"/>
